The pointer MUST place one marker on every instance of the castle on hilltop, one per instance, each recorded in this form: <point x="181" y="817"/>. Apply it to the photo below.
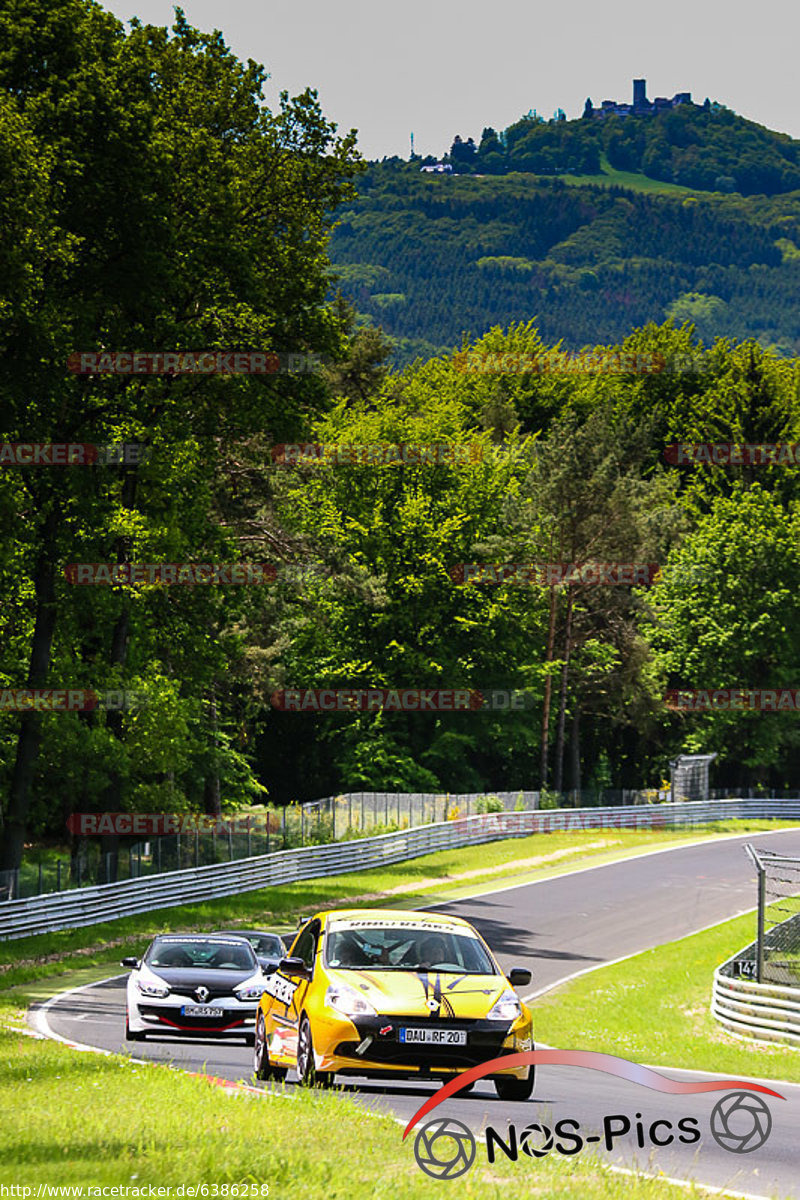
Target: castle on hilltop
<point x="641" y="106"/>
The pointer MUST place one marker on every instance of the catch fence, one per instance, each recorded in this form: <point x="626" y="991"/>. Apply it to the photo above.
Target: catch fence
<point x="269" y="829"/>
<point x="88" y="906"/>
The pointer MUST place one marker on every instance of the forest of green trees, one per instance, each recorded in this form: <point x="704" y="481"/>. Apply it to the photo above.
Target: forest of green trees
<point x="164" y="207"/>
<point x="434" y="259"/>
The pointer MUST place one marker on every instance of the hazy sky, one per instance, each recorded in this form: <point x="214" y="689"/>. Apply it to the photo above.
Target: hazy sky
<point x="441" y="67"/>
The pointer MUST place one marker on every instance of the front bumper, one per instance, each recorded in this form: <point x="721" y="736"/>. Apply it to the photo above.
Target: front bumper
<point x="164" y="1015"/>
<point x="371" y="1046"/>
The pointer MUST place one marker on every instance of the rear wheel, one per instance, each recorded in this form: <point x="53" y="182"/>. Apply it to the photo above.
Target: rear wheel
<point x="262" y="1067"/>
<point x="509" y="1088"/>
<point x="306" y="1069"/>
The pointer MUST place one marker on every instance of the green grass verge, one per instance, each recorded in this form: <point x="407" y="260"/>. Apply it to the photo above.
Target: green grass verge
<point x="86" y="1120"/>
<point x="655" y="1008"/>
<point x="26" y="961"/>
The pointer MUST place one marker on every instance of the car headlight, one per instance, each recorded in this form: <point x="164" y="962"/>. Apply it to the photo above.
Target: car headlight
<point x="152" y="988"/>
<point x="251" y="991"/>
<point x="348" y="1001"/>
<point x="506" y="1008"/>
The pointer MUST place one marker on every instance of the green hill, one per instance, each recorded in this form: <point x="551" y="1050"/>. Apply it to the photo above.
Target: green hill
<point x="431" y="258"/>
<point x="706" y="147"/>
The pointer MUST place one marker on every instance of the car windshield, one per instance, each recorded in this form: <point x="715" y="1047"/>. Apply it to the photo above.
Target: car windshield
<point x="268" y="944"/>
<point x="406" y="948"/>
<point x="198" y="953"/>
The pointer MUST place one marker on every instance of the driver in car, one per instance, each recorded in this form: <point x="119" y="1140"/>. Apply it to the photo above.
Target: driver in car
<point x="432" y="951"/>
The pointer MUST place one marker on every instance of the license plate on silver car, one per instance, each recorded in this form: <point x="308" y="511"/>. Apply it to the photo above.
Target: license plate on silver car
<point x="439" y="1037"/>
<point x="201" y="1010"/>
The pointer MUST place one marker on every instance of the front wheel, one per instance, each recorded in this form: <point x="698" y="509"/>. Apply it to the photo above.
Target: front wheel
<point x="510" y="1088"/>
<point x="262" y="1067"/>
<point x="306" y="1067"/>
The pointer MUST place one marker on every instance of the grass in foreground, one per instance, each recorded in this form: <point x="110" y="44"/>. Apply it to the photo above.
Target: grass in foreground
<point x="81" y="1119"/>
<point x="447" y="873"/>
<point x="654" y="1008"/>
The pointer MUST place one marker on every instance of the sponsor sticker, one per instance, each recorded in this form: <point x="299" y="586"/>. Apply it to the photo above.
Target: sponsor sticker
<point x="280" y="989"/>
<point x="377" y="923"/>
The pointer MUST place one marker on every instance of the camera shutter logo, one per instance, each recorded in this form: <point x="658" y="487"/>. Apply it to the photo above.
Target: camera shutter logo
<point x="741" y="1122"/>
<point x="444" y="1148"/>
<point x="536" y="1140"/>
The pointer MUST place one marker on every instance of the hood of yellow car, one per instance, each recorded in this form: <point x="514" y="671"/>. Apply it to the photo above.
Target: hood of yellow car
<point x="424" y="993"/>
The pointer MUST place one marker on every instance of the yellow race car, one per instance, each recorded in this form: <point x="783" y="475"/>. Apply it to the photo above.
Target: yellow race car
<point x="395" y="995"/>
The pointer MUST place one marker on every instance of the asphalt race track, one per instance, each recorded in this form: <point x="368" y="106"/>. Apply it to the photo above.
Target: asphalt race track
<point x="557" y="928"/>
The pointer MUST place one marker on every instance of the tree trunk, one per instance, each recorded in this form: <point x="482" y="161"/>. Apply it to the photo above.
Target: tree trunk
<point x="562" y="712"/>
<point x="30" y="732"/>
<point x="109" y="846"/>
<point x="548" y="689"/>
<point x="212" y="794"/>
<point x="575" y="752"/>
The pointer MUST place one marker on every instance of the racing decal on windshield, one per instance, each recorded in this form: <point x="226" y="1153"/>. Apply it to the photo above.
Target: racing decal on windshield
<point x="280" y="989"/>
<point x="198" y="941"/>
<point x="378" y="923"/>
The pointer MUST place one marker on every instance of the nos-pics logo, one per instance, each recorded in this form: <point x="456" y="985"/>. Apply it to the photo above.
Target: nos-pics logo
<point x="445" y="1148"/>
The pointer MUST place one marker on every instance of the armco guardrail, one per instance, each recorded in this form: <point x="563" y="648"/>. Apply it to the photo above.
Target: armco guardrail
<point x="107" y="902"/>
<point x="767" y="1012"/>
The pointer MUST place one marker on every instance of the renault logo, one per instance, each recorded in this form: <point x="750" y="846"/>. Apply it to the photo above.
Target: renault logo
<point x="202" y="994"/>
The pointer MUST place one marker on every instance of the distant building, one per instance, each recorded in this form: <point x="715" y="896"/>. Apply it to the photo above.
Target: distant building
<point x="641" y="106"/>
<point x="438" y="169"/>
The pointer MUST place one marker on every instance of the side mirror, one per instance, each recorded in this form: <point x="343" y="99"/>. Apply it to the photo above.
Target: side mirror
<point x="519" y="976"/>
<point x="130" y="962"/>
<point x="296" y="967"/>
<point x="268" y="968"/>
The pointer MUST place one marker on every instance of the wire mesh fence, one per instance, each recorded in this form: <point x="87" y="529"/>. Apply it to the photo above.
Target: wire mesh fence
<point x="267" y="829"/>
<point x="777" y="946"/>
